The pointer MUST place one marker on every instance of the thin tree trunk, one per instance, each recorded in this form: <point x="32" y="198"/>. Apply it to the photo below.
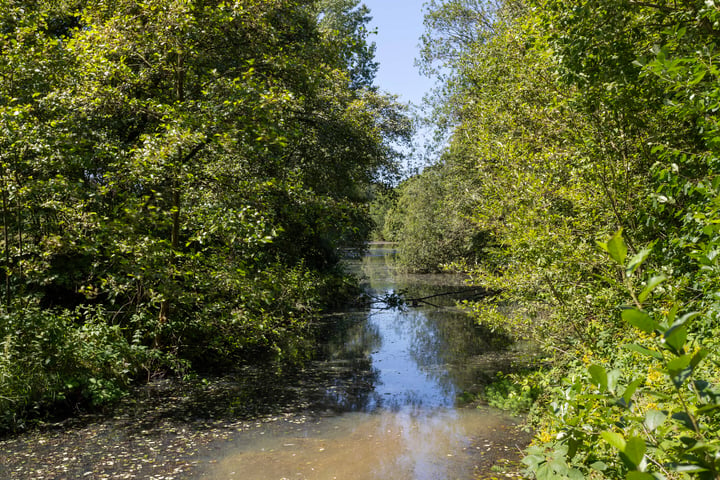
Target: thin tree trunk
<point x="176" y="199"/>
<point x="6" y="238"/>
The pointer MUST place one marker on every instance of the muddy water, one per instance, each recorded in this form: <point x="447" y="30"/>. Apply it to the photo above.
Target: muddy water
<point x="386" y="445"/>
<point x="389" y="396"/>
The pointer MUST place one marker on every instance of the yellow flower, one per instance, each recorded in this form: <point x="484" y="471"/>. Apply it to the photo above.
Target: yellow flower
<point x="545" y="436"/>
<point x="653" y="376"/>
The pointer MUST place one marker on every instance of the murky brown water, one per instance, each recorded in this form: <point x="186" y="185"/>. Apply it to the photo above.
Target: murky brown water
<point x="386" y="445"/>
<point x="391" y="402"/>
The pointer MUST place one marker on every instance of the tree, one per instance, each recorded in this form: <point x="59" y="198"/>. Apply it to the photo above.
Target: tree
<point x="344" y="25"/>
<point x="177" y="176"/>
<point x="579" y="122"/>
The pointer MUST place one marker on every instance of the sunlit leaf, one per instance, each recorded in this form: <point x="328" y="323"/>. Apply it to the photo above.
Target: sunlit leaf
<point x="630" y="390"/>
<point x="650" y="287"/>
<point x="598" y="375"/>
<point x="653" y="419"/>
<point x="637" y="260"/>
<point x="614" y="439"/>
<point x="635" y="450"/>
<point x="616" y="248"/>
<point x="642" y="350"/>
<point x="639" y="319"/>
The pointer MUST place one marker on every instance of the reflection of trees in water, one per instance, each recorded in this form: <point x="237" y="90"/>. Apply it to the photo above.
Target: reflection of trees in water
<point x="352" y="377"/>
<point x="442" y="342"/>
<point x="352" y="387"/>
<point x="445" y="345"/>
<point x="341" y="378"/>
<point x="411" y="401"/>
<point x="353" y="339"/>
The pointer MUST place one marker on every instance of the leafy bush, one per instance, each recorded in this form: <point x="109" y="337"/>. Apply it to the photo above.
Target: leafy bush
<point x="516" y="393"/>
<point x="651" y="409"/>
<point x="66" y="358"/>
<point x="431" y="221"/>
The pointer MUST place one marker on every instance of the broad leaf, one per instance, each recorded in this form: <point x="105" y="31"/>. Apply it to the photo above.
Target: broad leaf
<point x="630" y="390"/>
<point x="616" y="247"/>
<point x="699" y="357"/>
<point x="639" y="319"/>
<point x="680" y="363"/>
<point x="642" y="350"/>
<point x="637" y="260"/>
<point x="599" y="376"/>
<point x="651" y="285"/>
<point x="653" y="419"/>
<point x="614" y="439"/>
<point x="638" y="475"/>
<point x="676" y="337"/>
<point x="635" y="450"/>
<point x="612" y="378"/>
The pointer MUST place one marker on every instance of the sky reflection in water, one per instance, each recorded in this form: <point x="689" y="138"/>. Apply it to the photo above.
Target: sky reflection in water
<point x="399" y="373"/>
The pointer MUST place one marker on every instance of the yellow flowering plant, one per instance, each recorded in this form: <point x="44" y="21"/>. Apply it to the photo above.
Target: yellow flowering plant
<point x="668" y="421"/>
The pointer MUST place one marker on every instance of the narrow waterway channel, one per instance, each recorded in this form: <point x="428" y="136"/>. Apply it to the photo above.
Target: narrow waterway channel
<point x="395" y="409"/>
<point x="387" y="397"/>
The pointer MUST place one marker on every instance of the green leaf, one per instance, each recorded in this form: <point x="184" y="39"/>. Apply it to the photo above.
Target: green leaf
<point x="697" y="77"/>
<point x="612" y="378"/>
<point x="643" y="351"/>
<point x="684" y="420"/>
<point x="680" y="363"/>
<point x="639" y="319"/>
<point x="637" y="260"/>
<point x="653" y="419"/>
<point x="698" y="357"/>
<point x="676" y="337"/>
<point x="686" y="318"/>
<point x="614" y="439"/>
<point x="616" y="247"/>
<point x="599" y="376"/>
<point x="707" y="408"/>
<point x="673" y="312"/>
<point x="651" y="285"/>
<point x="679" y="369"/>
<point x="638" y="475"/>
<point x="635" y="450"/>
<point x="689" y="468"/>
<point x="630" y="390"/>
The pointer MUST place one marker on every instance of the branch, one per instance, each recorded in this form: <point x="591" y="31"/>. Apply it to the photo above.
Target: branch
<point x="484" y="292"/>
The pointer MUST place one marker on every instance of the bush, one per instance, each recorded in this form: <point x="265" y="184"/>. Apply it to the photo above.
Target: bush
<point x="649" y="405"/>
<point x="514" y="393"/>
<point x="66" y="358"/>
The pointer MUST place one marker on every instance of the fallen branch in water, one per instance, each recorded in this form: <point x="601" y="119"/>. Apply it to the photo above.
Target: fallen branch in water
<point x="394" y="300"/>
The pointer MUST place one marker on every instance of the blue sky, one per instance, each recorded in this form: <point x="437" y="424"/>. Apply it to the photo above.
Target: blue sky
<point x="400" y="25"/>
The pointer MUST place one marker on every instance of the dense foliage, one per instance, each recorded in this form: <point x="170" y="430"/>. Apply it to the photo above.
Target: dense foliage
<point x="583" y="157"/>
<point x="176" y="178"/>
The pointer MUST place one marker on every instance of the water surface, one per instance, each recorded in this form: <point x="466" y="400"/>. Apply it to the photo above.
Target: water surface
<point x="387" y="395"/>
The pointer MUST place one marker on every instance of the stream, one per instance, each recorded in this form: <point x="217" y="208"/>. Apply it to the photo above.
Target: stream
<point x="394" y="408"/>
<point x="390" y="395"/>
